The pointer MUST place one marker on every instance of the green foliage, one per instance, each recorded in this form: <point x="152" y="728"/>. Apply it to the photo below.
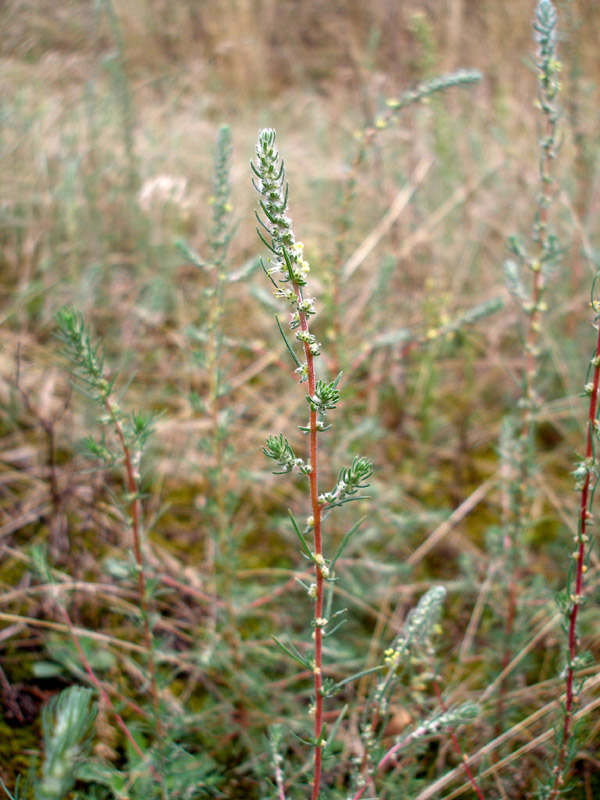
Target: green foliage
<point x="280" y="451"/>
<point x="221" y="231"/>
<point x="463" y="77"/>
<point x="442" y="722"/>
<point x="87" y="358"/>
<point x="291" y="270"/>
<point x="183" y="775"/>
<point x="411" y="644"/>
<point x="325" y="398"/>
<point x="527" y="276"/>
<point x="66" y="727"/>
<point x="350" y="480"/>
<point x="414" y="639"/>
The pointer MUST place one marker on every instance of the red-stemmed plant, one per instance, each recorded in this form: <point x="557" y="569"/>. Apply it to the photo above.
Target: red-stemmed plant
<point x="288" y="271"/>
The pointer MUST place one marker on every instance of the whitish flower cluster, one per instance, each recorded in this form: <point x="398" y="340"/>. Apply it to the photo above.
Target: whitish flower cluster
<point x="350" y="480"/>
<point x="424" y="618"/>
<point x="443" y="721"/>
<point x="420" y="624"/>
<point x="289" y="268"/>
<point x="320" y="562"/>
<point x="279" y="450"/>
<point x="586" y="467"/>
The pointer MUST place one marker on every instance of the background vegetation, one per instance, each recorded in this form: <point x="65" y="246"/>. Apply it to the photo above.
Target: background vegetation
<point x="109" y="116"/>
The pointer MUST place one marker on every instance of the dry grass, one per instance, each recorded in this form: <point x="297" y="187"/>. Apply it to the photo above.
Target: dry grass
<point x="71" y="231"/>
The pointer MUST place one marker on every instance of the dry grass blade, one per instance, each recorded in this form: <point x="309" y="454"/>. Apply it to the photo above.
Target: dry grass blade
<point x="400" y="202"/>
<point x="455" y="517"/>
<point x="516" y="730"/>
<point x="424" y="231"/>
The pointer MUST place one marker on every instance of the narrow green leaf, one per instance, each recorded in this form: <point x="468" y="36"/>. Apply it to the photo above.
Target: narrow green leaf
<point x="347" y="500"/>
<point x="334" y="730"/>
<point x="125" y="387"/>
<point x="244" y="271"/>
<point x="322" y="735"/>
<point x="300" y="536"/>
<point x="288" y="264"/>
<point x="83" y="391"/>
<point x="309" y="742"/>
<point x="267" y="213"/>
<point x="334" y="629"/>
<point x="287" y="344"/>
<point x="267" y="273"/>
<point x="189" y="253"/>
<point x="337" y="686"/>
<point x="345" y="541"/>
<point x="294" y="655"/>
<point x="263" y="240"/>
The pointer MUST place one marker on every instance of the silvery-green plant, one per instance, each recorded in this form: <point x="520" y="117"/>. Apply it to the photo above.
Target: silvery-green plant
<point x="539" y="259"/>
<point x="526" y="275"/>
<point x="289" y="273"/>
<point x="66" y="726"/>
<point x="122" y="442"/>
<point x="425" y="90"/>
<point x="164" y="767"/>
<point x="412" y="648"/>
<point x="207" y="341"/>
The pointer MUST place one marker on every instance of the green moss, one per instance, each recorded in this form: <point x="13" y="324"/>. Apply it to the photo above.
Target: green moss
<point x="17" y="744"/>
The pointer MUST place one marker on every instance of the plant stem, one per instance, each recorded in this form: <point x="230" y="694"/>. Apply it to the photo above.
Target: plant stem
<point x="124" y="97"/>
<point x="547" y="89"/>
<point x="289" y="263"/>
<point x="539" y="282"/>
<point x="133" y="491"/>
<point x="577" y="598"/>
<point x="102" y="692"/>
<point x="316" y="514"/>
<point x="455" y="741"/>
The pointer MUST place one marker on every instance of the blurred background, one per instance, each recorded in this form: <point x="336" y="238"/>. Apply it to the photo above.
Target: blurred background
<point x="109" y="115"/>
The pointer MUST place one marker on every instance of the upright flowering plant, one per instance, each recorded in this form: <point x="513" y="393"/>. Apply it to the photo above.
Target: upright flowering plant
<point x="288" y="272"/>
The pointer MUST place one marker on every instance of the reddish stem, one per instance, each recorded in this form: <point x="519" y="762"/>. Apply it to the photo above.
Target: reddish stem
<point x="132" y="489"/>
<point x="316" y="515"/>
<point x="102" y="692"/>
<point x="168" y="580"/>
<point x="577" y="598"/>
